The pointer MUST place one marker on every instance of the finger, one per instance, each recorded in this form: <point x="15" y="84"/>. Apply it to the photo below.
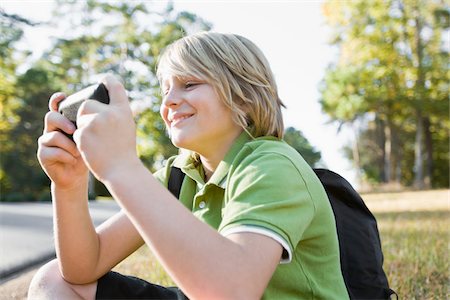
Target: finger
<point x="54" y="121"/>
<point x="57" y="139"/>
<point x="54" y="101"/>
<point x="77" y="137"/>
<point x="116" y="90"/>
<point x="88" y="111"/>
<point x="91" y="107"/>
<point x="47" y="155"/>
<point x="84" y="121"/>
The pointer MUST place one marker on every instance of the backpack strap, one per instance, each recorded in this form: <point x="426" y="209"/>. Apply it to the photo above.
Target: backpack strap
<point x="175" y="181"/>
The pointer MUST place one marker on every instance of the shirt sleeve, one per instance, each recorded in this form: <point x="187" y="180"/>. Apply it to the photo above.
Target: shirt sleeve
<point x="266" y="194"/>
<point x="286" y="256"/>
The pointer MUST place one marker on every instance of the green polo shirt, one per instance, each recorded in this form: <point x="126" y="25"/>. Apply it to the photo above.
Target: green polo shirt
<point x="263" y="185"/>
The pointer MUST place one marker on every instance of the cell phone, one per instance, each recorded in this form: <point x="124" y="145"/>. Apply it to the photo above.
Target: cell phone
<point x="69" y="106"/>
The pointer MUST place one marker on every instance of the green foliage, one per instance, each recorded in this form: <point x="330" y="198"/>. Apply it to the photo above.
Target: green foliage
<point x="342" y="99"/>
<point x="120" y="37"/>
<point x="296" y="139"/>
<point x="11" y="33"/>
<point x="391" y="78"/>
<point x="19" y="164"/>
<point x="130" y="49"/>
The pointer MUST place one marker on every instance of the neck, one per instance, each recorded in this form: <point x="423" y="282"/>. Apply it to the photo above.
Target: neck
<point x="216" y="155"/>
<point x="209" y="167"/>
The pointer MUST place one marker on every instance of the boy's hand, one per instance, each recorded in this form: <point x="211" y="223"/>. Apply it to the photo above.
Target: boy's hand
<point x="106" y="134"/>
<point x="57" y="154"/>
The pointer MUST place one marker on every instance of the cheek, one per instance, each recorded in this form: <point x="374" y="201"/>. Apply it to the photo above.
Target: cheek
<point x="164" y="113"/>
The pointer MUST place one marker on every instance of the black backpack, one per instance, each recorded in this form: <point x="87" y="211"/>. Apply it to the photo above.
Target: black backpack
<point x="359" y="239"/>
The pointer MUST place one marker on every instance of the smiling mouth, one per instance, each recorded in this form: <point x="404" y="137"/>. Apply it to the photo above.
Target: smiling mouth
<point x="178" y="120"/>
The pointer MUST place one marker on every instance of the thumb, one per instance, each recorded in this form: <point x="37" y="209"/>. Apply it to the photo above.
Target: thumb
<point x="117" y="94"/>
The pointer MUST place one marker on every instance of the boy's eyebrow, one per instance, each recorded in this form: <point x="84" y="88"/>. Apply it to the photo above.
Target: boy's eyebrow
<point x="163" y="84"/>
<point x="186" y="77"/>
<point x="181" y="78"/>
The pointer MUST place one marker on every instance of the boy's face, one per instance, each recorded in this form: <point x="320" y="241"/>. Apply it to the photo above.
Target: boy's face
<point x="196" y="117"/>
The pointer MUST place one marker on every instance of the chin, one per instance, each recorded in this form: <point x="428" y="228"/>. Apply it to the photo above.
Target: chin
<point x="178" y="140"/>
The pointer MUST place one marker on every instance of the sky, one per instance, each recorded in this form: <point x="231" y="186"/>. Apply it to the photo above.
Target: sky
<point x="293" y="36"/>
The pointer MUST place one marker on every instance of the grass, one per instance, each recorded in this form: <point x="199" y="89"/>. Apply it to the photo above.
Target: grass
<point x="414" y="229"/>
<point x="143" y="264"/>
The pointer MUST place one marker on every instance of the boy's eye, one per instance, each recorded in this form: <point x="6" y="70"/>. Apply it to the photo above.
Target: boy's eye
<point x="164" y="89"/>
<point x="189" y="84"/>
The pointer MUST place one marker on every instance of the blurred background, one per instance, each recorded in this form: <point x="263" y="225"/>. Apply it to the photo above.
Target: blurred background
<point x="365" y="82"/>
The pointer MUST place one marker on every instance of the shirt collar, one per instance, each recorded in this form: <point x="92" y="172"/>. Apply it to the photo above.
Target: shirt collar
<point x="187" y="164"/>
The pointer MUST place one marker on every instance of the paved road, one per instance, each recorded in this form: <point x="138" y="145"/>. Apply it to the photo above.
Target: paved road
<point x="26" y="233"/>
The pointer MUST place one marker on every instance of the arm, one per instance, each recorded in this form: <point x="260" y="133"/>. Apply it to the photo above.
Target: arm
<point x="233" y="267"/>
<point x="201" y="261"/>
<point x="83" y="255"/>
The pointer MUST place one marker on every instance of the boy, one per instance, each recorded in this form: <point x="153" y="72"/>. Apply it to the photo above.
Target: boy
<point x="253" y="221"/>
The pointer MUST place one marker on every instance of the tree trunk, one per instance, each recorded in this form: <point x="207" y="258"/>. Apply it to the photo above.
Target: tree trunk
<point x="381" y="141"/>
<point x="429" y="154"/>
<point x="355" y="152"/>
<point x="396" y="155"/>
<point x="419" y="88"/>
<point x="418" y="149"/>
<point x="387" y="153"/>
<point x="398" y="166"/>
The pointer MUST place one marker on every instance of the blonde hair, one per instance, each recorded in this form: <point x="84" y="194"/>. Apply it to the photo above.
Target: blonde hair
<point x="238" y="71"/>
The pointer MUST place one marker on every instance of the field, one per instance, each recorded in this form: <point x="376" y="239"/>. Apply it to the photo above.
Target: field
<point x="414" y="229"/>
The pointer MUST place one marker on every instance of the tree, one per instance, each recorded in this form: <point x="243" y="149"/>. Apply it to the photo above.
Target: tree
<point x="26" y="178"/>
<point x="128" y="47"/>
<point x="7" y="98"/>
<point x="296" y="139"/>
<point x="10" y="26"/>
<point x="343" y="100"/>
<point x="96" y="43"/>
<point x="392" y="60"/>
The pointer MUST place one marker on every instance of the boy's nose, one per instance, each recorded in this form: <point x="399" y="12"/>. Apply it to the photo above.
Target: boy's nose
<point x="172" y="98"/>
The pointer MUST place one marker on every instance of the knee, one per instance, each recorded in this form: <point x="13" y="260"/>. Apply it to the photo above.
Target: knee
<point x="46" y="281"/>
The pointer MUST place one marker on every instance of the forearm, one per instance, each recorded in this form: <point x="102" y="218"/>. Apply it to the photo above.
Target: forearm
<point x="76" y="240"/>
<point x="191" y="251"/>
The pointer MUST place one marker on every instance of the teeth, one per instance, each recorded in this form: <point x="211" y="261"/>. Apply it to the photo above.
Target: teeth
<point x="179" y="119"/>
